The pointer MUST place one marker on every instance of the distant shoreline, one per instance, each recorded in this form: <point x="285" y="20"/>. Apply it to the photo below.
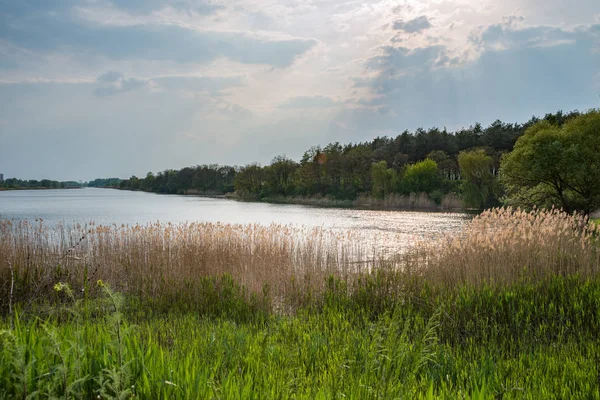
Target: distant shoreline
<point x="368" y="203"/>
<point x="39" y="188"/>
<point x="364" y="203"/>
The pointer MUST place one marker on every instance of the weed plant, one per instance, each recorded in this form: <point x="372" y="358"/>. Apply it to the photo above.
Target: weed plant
<point x="474" y="343"/>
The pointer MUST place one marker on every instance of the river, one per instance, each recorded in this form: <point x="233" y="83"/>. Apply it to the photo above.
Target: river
<point x="109" y="206"/>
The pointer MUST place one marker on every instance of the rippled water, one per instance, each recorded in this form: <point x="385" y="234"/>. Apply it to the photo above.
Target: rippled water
<point x="394" y="229"/>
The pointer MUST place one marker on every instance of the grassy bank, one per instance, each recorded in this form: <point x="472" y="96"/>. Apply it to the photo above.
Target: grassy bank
<point x="171" y="261"/>
<point x="529" y="341"/>
<point x="394" y="201"/>
<point x="508" y="308"/>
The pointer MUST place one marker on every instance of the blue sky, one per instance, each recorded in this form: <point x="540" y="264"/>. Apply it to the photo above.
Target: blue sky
<point x="99" y="88"/>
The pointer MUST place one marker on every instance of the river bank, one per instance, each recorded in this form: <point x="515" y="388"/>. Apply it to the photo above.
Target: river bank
<point x="39" y="188"/>
<point x="393" y="202"/>
<point x="513" y="343"/>
<point x="505" y="309"/>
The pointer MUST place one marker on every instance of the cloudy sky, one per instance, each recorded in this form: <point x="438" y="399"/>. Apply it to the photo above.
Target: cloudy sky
<point x="103" y="88"/>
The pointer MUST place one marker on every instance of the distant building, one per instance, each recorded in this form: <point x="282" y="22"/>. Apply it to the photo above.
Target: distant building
<point x="1" y="178"/>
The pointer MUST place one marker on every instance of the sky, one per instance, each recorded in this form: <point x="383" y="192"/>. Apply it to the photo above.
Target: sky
<point x="101" y="88"/>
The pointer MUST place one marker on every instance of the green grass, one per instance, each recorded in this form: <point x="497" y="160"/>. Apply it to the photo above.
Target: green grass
<point x="511" y="310"/>
<point x="526" y="340"/>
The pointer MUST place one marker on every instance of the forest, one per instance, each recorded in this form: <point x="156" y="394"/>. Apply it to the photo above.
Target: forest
<point x="435" y="162"/>
<point x="104" y="183"/>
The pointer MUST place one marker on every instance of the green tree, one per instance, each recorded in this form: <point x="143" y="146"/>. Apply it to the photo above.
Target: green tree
<point x="422" y="177"/>
<point x="447" y="166"/>
<point x="148" y="183"/>
<point x="553" y="165"/>
<point x="226" y="176"/>
<point x="384" y="179"/>
<point x="134" y="182"/>
<point x="479" y="185"/>
<point x="310" y="176"/>
<point x="249" y="180"/>
<point x="279" y="176"/>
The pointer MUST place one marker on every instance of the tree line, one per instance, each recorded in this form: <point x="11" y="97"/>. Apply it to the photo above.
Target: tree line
<point x="201" y="179"/>
<point x="468" y="162"/>
<point x="15" y="183"/>
<point x="104" y="183"/>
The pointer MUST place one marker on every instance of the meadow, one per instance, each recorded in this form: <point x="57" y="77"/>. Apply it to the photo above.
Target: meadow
<point x="508" y="308"/>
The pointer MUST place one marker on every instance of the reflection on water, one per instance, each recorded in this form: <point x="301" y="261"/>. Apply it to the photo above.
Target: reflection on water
<point x="385" y="230"/>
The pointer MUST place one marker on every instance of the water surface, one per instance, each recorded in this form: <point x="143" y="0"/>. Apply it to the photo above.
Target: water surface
<point x="109" y="206"/>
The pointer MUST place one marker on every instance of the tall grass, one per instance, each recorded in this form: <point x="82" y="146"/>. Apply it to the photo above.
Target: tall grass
<point x="530" y="341"/>
<point x="179" y="357"/>
<point x="158" y="260"/>
<point x="503" y="246"/>
<point x="413" y="201"/>
<point x="507" y="308"/>
<point x="284" y="265"/>
<point x="392" y="201"/>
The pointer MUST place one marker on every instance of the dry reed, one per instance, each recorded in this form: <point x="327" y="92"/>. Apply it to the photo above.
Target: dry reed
<point x="413" y="201"/>
<point x="392" y="201"/>
<point x="499" y="246"/>
<point x="397" y="201"/>
<point x="153" y="259"/>
<point x="502" y="246"/>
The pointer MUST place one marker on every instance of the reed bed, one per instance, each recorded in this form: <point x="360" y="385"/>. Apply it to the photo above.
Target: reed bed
<point x="286" y="265"/>
<point x="153" y="260"/>
<point x="392" y="201"/>
<point x="504" y="246"/>
<point x="508" y="308"/>
<point x="413" y="201"/>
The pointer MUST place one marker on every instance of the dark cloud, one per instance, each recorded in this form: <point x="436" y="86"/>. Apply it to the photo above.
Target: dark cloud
<point x="412" y="26"/>
<point x="519" y="72"/>
<point x="394" y="60"/>
<point x="62" y="32"/>
<point x="508" y="35"/>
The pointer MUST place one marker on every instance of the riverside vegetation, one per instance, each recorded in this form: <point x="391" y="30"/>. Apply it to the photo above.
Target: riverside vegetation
<point x="16" y="184"/>
<point x="508" y="308"/>
<point x="543" y="162"/>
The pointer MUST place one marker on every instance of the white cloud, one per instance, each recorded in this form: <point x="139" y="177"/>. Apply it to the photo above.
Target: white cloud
<point x="412" y="26"/>
<point x="233" y="81"/>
